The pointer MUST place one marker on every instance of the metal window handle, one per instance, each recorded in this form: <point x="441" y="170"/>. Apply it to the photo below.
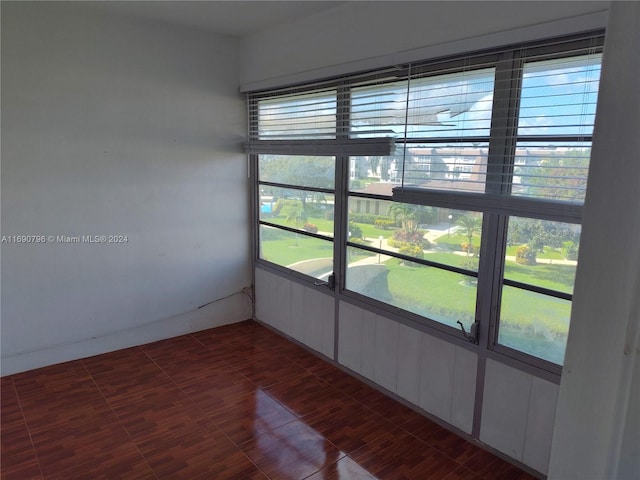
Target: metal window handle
<point x="472" y="336"/>
<point x="330" y="283"/>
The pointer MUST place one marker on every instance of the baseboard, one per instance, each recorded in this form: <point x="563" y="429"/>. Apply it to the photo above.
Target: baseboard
<point x="233" y="309"/>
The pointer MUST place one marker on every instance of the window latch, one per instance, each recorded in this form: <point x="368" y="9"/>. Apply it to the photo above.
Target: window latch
<point x="330" y="283"/>
<point x="472" y="335"/>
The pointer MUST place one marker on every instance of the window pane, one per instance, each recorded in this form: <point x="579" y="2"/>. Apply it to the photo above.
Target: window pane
<point x="451" y="105"/>
<point x="450" y="237"/>
<point x="300" y="209"/>
<point x="297" y="170"/>
<point x="556" y="171"/>
<point x="459" y="167"/>
<point x="297" y="116"/>
<point x="542" y="253"/>
<point x="379" y="110"/>
<point x="308" y="255"/>
<point x="431" y="292"/>
<point x="534" y="323"/>
<point x="375" y="174"/>
<point x="559" y="96"/>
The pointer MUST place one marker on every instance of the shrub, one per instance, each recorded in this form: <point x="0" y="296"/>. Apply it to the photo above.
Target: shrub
<point x="570" y="250"/>
<point x="310" y="227"/>
<point x="467" y="247"/>
<point x="355" y="230"/>
<point x="384" y="224"/>
<point x="415" y="237"/>
<point x="411" y="250"/>
<point x="367" y="218"/>
<point x="525" y="256"/>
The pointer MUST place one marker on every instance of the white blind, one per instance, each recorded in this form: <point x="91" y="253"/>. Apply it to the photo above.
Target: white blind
<point x="555" y="123"/>
<point x="305" y="115"/>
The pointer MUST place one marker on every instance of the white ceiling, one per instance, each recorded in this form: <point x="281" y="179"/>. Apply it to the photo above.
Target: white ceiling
<point x="236" y="18"/>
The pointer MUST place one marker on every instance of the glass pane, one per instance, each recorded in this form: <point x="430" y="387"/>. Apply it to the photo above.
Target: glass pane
<point x="376" y="175"/>
<point x="298" y="116"/>
<point x="459" y="167"/>
<point x="300" y="209"/>
<point x="431" y="292"/>
<point x="450" y="237"/>
<point x="296" y="170"/>
<point x="542" y="253"/>
<point x="535" y="324"/>
<point x="556" y="171"/>
<point x="379" y="110"/>
<point x="308" y="255"/>
<point x="451" y="105"/>
<point x="559" y="96"/>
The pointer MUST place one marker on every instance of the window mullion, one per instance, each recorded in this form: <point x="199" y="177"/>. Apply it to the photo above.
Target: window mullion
<point x="504" y="124"/>
<point x="343" y="116"/>
<point x="502" y="147"/>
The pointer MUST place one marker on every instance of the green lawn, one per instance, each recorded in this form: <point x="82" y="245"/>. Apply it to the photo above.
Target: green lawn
<point x="455" y="241"/>
<point x="554" y="276"/>
<point x="285" y="248"/>
<point x="324" y="225"/>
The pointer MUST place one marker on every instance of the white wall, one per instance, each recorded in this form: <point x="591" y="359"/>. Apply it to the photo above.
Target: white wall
<point x="363" y="35"/>
<point x="597" y="432"/>
<point x="112" y="126"/>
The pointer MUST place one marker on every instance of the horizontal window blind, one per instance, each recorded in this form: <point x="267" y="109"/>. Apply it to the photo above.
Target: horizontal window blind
<point x="515" y="121"/>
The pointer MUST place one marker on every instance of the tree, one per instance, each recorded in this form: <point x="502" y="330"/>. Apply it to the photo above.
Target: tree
<point x="298" y="217"/>
<point x="536" y="234"/>
<point x="297" y="170"/>
<point x="374" y="163"/>
<point x="558" y="177"/>
<point x="406" y="214"/>
<point x="470" y="226"/>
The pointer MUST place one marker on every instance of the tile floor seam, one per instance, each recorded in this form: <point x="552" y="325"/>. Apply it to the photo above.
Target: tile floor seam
<point x="26" y="425"/>
<point x="119" y="420"/>
<point x="328" y="390"/>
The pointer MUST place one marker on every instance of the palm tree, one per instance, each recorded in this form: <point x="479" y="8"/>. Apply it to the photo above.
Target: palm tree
<point x="470" y="226"/>
<point x="298" y="217"/>
<point x="406" y="214"/>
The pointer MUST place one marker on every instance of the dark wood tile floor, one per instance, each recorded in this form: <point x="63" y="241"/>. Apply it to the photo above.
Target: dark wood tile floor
<point x="235" y="402"/>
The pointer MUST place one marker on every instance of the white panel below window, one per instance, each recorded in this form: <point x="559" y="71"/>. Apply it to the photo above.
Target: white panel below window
<point x="350" y="336"/>
<point x="464" y="389"/>
<point x="386" y="353"/>
<point x="505" y="408"/>
<point x="436" y="376"/>
<point x="408" y="382"/>
<point x="297" y="311"/>
<point x="540" y="421"/>
<point x="318" y="321"/>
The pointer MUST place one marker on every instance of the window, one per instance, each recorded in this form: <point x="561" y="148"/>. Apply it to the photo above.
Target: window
<point x="453" y="188"/>
<point x="296" y="212"/>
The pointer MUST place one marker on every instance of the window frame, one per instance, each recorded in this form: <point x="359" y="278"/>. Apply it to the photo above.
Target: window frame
<point x="496" y="203"/>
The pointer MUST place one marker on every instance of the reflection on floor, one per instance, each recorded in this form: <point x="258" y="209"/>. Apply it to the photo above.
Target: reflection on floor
<point x="235" y="402"/>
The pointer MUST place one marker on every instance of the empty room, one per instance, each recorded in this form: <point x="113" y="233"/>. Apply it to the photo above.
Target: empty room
<point x="320" y="239"/>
